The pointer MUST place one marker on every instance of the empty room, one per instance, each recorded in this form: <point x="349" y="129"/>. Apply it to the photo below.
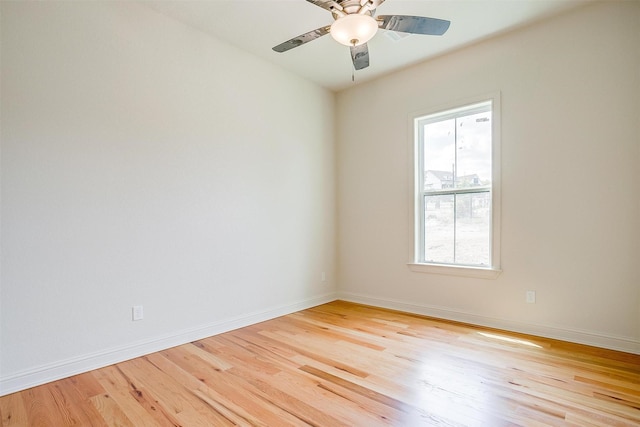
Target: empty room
<point x="327" y="213"/>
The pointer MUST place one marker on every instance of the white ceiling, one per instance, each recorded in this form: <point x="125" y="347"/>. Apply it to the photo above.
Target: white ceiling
<point x="257" y="25"/>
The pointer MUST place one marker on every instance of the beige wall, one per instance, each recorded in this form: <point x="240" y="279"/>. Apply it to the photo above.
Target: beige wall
<point x="145" y="163"/>
<point x="570" y="93"/>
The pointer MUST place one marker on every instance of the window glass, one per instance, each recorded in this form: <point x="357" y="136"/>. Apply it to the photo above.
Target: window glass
<point x="455" y="183"/>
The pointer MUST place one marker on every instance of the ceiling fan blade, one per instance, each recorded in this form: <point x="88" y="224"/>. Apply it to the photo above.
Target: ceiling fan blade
<point x="360" y="56"/>
<point x="302" y="39"/>
<point x="414" y="24"/>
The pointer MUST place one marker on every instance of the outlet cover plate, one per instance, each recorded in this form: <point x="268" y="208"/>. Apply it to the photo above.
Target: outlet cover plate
<point x="137" y="313"/>
<point x="531" y="297"/>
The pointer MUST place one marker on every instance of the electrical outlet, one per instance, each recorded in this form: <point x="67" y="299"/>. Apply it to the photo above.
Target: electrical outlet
<point x="137" y="313"/>
<point x="323" y="277"/>
<point x="531" y="297"/>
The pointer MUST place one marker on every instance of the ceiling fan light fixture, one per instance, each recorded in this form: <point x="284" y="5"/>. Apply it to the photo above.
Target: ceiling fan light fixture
<point x="354" y="29"/>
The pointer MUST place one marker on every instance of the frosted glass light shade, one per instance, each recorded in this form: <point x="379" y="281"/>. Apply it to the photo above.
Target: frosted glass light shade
<point x="354" y="30"/>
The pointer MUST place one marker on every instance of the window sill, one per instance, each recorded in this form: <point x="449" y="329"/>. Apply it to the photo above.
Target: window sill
<point x="452" y="270"/>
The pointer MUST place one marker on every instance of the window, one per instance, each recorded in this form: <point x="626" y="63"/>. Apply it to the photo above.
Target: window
<point x="457" y="190"/>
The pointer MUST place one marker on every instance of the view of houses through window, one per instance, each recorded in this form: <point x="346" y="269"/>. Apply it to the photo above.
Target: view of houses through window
<point x="455" y="186"/>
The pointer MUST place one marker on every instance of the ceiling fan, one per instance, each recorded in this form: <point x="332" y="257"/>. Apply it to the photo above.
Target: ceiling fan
<point x="355" y="25"/>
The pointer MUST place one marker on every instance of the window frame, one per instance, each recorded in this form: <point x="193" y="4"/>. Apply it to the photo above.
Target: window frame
<point x="439" y="113"/>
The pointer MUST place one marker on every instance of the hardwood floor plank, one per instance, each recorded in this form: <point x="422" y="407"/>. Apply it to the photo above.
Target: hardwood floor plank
<point x="173" y="400"/>
<point x="145" y="398"/>
<point x="137" y="409"/>
<point x="227" y="392"/>
<point x="42" y="409"/>
<point x="358" y="389"/>
<point x="13" y="411"/>
<point x="344" y="364"/>
<point x="302" y="350"/>
<point x="77" y="394"/>
<point x="110" y="411"/>
<point x="272" y="380"/>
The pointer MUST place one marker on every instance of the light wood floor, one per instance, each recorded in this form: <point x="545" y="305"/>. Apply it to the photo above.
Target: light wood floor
<point x="342" y="364"/>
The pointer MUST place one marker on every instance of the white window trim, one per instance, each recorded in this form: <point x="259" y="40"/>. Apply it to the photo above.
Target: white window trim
<point x="455" y="270"/>
<point x="451" y="269"/>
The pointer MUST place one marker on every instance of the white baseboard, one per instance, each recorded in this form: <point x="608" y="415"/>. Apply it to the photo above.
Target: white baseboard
<point x="625" y="344"/>
<point x="77" y="365"/>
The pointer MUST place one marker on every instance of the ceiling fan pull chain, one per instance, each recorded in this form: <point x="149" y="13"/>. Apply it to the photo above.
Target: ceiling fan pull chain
<point x="353" y="66"/>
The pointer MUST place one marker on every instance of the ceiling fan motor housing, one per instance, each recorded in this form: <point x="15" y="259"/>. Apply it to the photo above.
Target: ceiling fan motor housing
<point x="349" y="7"/>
